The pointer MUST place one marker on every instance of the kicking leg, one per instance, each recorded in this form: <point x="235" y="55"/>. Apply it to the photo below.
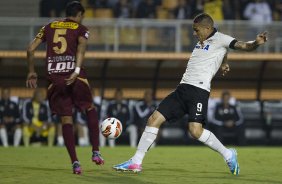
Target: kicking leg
<point x="147" y="139"/>
<point x="208" y="138"/>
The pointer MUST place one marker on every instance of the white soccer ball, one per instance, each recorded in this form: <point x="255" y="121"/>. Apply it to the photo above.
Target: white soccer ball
<point x="111" y="128"/>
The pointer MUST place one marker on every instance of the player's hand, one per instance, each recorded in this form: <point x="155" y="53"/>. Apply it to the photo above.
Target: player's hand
<point x="261" y="38"/>
<point x="71" y="79"/>
<point x="225" y="68"/>
<point x="31" y="80"/>
<point x="8" y="119"/>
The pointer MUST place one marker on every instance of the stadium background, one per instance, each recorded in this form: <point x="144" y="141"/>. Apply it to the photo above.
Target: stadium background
<point x="139" y="54"/>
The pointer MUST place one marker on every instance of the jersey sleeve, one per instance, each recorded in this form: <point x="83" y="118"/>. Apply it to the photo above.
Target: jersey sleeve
<point x="42" y="34"/>
<point x="83" y="32"/>
<point x="227" y="41"/>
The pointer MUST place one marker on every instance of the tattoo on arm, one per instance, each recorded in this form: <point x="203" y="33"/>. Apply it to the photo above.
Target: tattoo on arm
<point x="246" y="46"/>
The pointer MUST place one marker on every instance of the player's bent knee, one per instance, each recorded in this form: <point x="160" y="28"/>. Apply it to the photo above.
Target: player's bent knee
<point x="66" y="120"/>
<point x="195" y="130"/>
<point x="156" y="119"/>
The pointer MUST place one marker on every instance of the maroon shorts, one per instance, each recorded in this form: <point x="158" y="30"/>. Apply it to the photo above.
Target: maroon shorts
<point x="63" y="98"/>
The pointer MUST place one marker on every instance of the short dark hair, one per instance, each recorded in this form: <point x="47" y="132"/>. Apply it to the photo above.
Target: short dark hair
<point x="73" y="8"/>
<point x="204" y="18"/>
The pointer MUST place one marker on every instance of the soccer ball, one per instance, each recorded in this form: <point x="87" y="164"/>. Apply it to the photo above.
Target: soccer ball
<point x="111" y="128"/>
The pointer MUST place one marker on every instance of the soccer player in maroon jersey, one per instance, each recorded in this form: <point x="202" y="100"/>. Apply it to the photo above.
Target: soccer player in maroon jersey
<point x="68" y="86"/>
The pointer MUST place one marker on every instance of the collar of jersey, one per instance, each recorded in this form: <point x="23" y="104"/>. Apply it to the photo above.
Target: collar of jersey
<point x="69" y="20"/>
<point x="214" y="31"/>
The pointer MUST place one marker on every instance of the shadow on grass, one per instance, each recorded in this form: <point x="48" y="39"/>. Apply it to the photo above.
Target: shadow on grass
<point x="242" y="179"/>
<point x="88" y="176"/>
<point x="203" y="175"/>
<point x="117" y="177"/>
<point x="39" y="168"/>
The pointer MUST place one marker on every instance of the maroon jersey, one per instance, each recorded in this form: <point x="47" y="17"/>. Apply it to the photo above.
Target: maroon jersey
<point x="61" y="37"/>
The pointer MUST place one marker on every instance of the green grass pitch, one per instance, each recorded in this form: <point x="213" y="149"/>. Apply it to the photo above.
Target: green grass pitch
<point x="163" y="164"/>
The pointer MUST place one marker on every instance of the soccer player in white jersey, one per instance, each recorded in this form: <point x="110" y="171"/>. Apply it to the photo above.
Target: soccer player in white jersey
<point x="192" y="94"/>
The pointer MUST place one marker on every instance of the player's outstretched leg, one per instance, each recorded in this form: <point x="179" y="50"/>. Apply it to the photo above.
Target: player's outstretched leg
<point x="209" y="139"/>
<point x="93" y="126"/>
<point x="233" y="163"/>
<point x="135" y="163"/>
<point x="147" y="139"/>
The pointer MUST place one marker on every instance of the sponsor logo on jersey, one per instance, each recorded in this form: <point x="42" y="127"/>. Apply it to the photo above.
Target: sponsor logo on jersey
<point x="64" y="25"/>
<point x="61" y="64"/>
<point x="206" y="47"/>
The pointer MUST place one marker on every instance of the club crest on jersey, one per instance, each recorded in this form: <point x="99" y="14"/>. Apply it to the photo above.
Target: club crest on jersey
<point x="206" y="47"/>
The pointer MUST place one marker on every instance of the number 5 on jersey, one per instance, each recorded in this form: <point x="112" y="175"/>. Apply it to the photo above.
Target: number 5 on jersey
<point x="59" y="38"/>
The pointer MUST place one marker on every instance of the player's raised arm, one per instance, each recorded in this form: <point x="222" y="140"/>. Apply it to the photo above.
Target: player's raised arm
<point x="81" y="48"/>
<point x="31" y="80"/>
<point x="251" y="45"/>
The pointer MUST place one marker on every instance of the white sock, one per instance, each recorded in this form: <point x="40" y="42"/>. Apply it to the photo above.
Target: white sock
<point x="60" y="140"/>
<point x="4" y="137"/>
<point x="102" y="140"/>
<point x="81" y="141"/>
<point x="147" y="139"/>
<point x="112" y="143"/>
<point x="133" y="135"/>
<point x="209" y="139"/>
<point x="17" y="137"/>
<point x="86" y="137"/>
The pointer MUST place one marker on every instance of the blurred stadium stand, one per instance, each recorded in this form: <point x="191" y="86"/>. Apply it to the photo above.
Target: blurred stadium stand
<point x="17" y="8"/>
<point x="139" y="54"/>
<point x="255" y="128"/>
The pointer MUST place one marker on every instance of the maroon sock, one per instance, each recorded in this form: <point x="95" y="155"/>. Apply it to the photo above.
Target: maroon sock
<point x="93" y="126"/>
<point x="69" y="141"/>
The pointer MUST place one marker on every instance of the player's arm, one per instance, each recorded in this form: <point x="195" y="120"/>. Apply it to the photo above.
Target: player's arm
<point x="81" y="48"/>
<point x="251" y="45"/>
<point x="224" y="66"/>
<point x="31" y="80"/>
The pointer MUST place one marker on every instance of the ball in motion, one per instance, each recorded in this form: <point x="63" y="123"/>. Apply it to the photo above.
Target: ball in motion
<point x="111" y="128"/>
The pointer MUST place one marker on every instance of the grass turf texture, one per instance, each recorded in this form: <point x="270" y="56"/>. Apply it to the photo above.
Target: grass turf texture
<point x="185" y="164"/>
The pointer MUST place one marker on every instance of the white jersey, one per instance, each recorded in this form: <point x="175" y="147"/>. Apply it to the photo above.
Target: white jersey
<point x="205" y="60"/>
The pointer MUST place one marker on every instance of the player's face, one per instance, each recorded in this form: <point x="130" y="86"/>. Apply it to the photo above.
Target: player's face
<point x="118" y="96"/>
<point x="148" y="96"/>
<point x="6" y="94"/>
<point x="201" y="32"/>
<point x="79" y="17"/>
<point x="226" y="99"/>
